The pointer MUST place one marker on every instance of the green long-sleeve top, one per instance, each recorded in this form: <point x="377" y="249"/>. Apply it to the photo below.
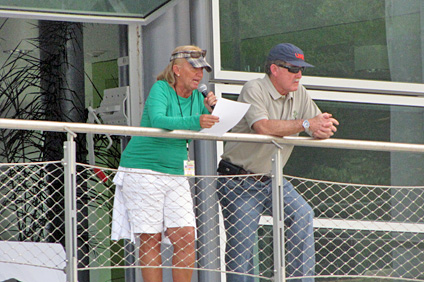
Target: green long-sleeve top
<point x="162" y="110"/>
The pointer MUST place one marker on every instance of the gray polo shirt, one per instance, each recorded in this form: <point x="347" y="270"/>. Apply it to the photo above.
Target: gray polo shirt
<point x="266" y="103"/>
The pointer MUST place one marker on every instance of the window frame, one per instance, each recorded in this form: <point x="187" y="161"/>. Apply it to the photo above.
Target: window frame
<point x="86" y="18"/>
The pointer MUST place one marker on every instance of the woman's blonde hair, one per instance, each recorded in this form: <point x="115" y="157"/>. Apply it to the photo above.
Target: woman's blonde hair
<point x="168" y="73"/>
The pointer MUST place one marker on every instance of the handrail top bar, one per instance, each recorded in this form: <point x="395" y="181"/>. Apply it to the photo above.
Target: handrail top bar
<point x="187" y="134"/>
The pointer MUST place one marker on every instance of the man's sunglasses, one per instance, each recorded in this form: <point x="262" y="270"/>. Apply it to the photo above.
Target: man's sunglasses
<point x="292" y="69"/>
<point x="188" y="54"/>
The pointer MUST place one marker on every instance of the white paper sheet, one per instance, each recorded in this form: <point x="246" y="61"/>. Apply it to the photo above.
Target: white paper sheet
<point x="229" y="112"/>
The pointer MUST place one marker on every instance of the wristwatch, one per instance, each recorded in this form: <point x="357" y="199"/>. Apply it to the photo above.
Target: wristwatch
<point x="306" y="124"/>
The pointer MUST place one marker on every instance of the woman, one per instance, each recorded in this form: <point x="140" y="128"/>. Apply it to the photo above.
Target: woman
<point x="156" y="201"/>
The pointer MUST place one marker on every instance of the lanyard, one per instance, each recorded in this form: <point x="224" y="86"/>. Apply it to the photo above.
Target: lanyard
<point x="181" y="111"/>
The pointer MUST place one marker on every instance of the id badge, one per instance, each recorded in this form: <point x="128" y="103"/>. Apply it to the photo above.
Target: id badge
<point x="189" y="168"/>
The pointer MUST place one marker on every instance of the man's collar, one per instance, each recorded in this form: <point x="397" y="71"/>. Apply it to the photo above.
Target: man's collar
<point x="273" y="92"/>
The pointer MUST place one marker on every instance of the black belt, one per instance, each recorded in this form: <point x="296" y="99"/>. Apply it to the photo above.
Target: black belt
<point x="227" y="168"/>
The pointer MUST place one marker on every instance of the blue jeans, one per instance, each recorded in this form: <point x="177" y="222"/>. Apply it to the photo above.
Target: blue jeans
<point x="243" y="201"/>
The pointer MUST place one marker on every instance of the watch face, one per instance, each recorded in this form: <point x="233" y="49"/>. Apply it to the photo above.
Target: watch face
<point x="305" y="124"/>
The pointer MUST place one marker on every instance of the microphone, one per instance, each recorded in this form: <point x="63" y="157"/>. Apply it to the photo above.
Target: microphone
<point x="204" y="90"/>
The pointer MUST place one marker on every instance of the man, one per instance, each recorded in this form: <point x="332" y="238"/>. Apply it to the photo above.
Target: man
<point x="279" y="107"/>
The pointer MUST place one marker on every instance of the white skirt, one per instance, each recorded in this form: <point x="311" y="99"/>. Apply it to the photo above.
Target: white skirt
<point x="149" y="202"/>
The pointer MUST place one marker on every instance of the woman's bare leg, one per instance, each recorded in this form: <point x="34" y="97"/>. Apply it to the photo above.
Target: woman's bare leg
<point x="182" y="239"/>
<point x="150" y="256"/>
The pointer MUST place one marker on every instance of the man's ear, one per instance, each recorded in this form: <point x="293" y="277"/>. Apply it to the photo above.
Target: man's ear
<point x="273" y="68"/>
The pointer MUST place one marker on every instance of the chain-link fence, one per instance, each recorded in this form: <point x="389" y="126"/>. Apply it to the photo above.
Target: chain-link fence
<point x="360" y="231"/>
<point x="32" y="220"/>
<point x="58" y="217"/>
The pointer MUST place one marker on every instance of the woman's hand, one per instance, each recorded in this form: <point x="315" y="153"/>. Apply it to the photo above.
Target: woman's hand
<point x="207" y="121"/>
<point x="210" y="101"/>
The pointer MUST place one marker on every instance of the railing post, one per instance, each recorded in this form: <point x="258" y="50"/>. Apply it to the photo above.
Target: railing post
<point x="207" y="212"/>
<point x="278" y="217"/>
<point x="69" y="163"/>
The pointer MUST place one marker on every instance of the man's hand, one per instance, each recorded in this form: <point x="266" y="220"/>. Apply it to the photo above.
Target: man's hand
<point x="323" y="126"/>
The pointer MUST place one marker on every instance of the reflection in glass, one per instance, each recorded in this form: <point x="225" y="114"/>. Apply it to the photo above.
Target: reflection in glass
<point x="366" y="122"/>
<point x="363" y="39"/>
<point x="129" y="8"/>
<point x="43" y="68"/>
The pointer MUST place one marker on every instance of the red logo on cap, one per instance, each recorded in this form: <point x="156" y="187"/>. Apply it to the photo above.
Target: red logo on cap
<point x="300" y="56"/>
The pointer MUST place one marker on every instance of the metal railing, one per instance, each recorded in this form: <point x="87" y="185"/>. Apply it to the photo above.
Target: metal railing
<point x="360" y="230"/>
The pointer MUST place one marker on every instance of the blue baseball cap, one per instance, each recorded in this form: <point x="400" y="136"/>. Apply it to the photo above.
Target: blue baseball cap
<point x="288" y="53"/>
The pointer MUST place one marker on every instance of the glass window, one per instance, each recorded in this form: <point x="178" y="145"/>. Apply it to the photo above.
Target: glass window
<point x="366" y="122"/>
<point x="363" y="39"/>
<point x="128" y="8"/>
<point x="29" y="61"/>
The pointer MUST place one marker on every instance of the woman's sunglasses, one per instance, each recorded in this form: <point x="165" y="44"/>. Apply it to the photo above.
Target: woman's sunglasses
<point x="188" y="54"/>
<point x="292" y="69"/>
